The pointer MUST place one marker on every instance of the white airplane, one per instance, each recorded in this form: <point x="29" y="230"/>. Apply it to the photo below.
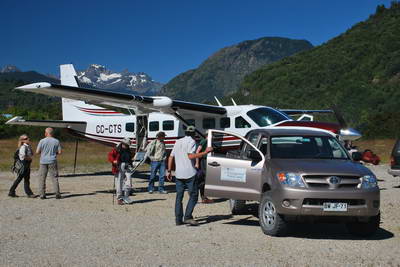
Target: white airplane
<point x="83" y="118"/>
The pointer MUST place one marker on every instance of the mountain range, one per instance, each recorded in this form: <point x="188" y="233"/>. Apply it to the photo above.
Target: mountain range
<point x="100" y="77"/>
<point x="222" y="72"/>
<point x="94" y="76"/>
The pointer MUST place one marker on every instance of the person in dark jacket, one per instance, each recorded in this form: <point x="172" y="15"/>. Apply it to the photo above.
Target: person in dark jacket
<point x="25" y="155"/>
<point x="124" y="182"/>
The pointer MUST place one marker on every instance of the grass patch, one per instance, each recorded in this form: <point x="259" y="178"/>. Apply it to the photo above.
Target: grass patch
<point x="92" y="156"/>
<point x="381" y="147"/>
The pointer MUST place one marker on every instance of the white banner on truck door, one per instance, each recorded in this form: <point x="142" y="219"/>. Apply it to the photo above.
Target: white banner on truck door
<point x="233" y="174"/>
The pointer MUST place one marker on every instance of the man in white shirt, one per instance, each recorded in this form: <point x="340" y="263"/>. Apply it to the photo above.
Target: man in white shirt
<point x="184" y="153"/>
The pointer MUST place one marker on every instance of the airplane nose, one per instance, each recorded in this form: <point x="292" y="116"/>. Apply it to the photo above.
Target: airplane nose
<point x="350" y="134"/>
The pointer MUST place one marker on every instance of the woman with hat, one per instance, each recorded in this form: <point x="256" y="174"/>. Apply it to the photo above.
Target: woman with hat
<point x="25" y="154"/>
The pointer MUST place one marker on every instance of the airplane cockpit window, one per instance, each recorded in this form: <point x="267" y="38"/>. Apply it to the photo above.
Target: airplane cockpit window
<point x="241" y="123"/>
<point x="154" y="126"/>
<point x="225" y="123"/>
<point x="266" y="116"/>
<point x="130" y="127"/>
<point x="208" y="123"/>
<point x="168" y="125"/>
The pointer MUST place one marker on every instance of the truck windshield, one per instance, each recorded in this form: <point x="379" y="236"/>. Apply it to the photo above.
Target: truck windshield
<point x="306" y="147"/>
<point x="266" y="116"/>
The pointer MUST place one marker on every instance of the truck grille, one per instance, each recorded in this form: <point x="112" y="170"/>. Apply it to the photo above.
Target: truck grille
<point x="325" y="181"/>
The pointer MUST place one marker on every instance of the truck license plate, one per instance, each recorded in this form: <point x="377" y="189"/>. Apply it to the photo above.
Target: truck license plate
<point x="329" y="206"/>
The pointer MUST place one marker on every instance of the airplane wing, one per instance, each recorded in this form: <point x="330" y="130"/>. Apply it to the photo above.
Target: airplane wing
<point x="45" y="123"/>
<point x="123" y="99"/>
<point x="304" y="111"/>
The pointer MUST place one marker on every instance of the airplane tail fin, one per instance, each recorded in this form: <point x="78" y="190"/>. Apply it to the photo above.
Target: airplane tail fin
<point x="72" y="110"/>
<point x="76" y="110"/>
<point x="68" y="75"/>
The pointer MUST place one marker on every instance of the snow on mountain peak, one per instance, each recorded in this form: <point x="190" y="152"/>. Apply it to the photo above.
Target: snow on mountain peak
<point x="100" y="77"/>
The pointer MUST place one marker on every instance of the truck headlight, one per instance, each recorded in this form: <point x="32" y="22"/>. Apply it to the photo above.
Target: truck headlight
<point x="368" y="181"/>
<point x="290" y="179"/>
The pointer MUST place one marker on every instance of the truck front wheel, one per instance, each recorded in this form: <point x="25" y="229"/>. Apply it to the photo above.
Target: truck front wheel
<point x="271" y="222"/>
<point x="364" y="228"/>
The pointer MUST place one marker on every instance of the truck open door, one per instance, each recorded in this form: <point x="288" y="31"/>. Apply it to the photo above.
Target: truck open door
<point x="236" y="174"/>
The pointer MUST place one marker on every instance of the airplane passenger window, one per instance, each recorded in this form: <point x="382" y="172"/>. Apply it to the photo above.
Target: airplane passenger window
<point x="154" y="126"/>
<point x="168" y="125"/>
<point x="241" y="123"/>
<point x="130" y="127"/>
<point x="208" y="123"/>
<point x="225" y="123"/>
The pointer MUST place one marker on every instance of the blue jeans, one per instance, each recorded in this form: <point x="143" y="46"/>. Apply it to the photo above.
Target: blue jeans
<point x="154" y="167"/>
<point x="191" y="185"/>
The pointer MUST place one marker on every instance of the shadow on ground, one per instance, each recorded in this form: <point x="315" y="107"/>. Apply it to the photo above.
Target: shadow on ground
<point x="334" y="231"/>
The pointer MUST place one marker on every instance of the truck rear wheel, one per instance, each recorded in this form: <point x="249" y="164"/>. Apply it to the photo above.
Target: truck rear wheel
<point x="271" y="222"/>
<point x="364" y="228"/>
<point x="237" y="206"/>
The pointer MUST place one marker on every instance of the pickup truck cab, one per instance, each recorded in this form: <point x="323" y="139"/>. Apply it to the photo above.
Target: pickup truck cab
<point x="295" y="175"/>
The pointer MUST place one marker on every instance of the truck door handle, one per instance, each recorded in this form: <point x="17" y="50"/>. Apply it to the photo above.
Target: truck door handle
<point x="214" y="164"/>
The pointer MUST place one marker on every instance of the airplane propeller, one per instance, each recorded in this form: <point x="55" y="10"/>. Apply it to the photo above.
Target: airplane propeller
<point x="345" y="130"/>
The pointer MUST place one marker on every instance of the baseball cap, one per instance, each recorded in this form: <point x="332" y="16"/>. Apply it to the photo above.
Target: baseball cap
<point x="161" y="134"/>
<point x="126" y="141"/>
<point x="190" y="129"/>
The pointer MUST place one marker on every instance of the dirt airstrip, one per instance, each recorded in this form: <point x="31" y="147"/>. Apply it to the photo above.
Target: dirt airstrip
<point x="86" y="229"/>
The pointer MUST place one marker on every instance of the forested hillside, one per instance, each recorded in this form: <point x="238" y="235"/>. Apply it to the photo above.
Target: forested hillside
<point x="28" y="105"/>
<point x="358" y="70"/>
<point x="223" y="72"/>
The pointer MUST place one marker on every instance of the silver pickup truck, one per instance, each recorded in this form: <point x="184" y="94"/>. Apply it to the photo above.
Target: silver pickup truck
<point x="295" y="175"/>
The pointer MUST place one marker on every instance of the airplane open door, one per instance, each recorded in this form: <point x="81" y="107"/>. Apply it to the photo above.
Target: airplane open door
<point x="141" y="132"/>
<point x="236" y="174"/>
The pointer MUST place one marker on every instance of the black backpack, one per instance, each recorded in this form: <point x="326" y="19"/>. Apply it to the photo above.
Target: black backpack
<point x="17" y="165"/>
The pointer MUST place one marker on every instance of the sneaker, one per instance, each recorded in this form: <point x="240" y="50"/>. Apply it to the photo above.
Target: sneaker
<point x="120" y="202"/>
<point x="179" y="223"/>
<point x="127" y="200"/>
<point x="150" y="191"/>
<point x="163" y="192"/>
<point x="191" y="222"/>
<point x="12" y="195"/>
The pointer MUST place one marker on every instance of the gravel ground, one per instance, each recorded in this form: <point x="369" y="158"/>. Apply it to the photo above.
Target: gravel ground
<point x="86" y="229"/>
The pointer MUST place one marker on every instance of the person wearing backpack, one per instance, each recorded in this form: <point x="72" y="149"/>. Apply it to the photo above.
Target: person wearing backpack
<point x="157" y="154"/>
<point x="22" y="166"/>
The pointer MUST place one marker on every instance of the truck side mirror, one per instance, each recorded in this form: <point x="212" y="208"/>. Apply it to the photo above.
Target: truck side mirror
<point x="253" y="155"/>
<point x="356" y="156"/>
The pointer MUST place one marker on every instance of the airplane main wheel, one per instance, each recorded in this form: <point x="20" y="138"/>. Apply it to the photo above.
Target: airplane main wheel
<point x="237" y="206"/>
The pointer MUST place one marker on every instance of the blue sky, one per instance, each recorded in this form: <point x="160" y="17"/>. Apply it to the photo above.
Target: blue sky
<point x="161" y="38"/>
